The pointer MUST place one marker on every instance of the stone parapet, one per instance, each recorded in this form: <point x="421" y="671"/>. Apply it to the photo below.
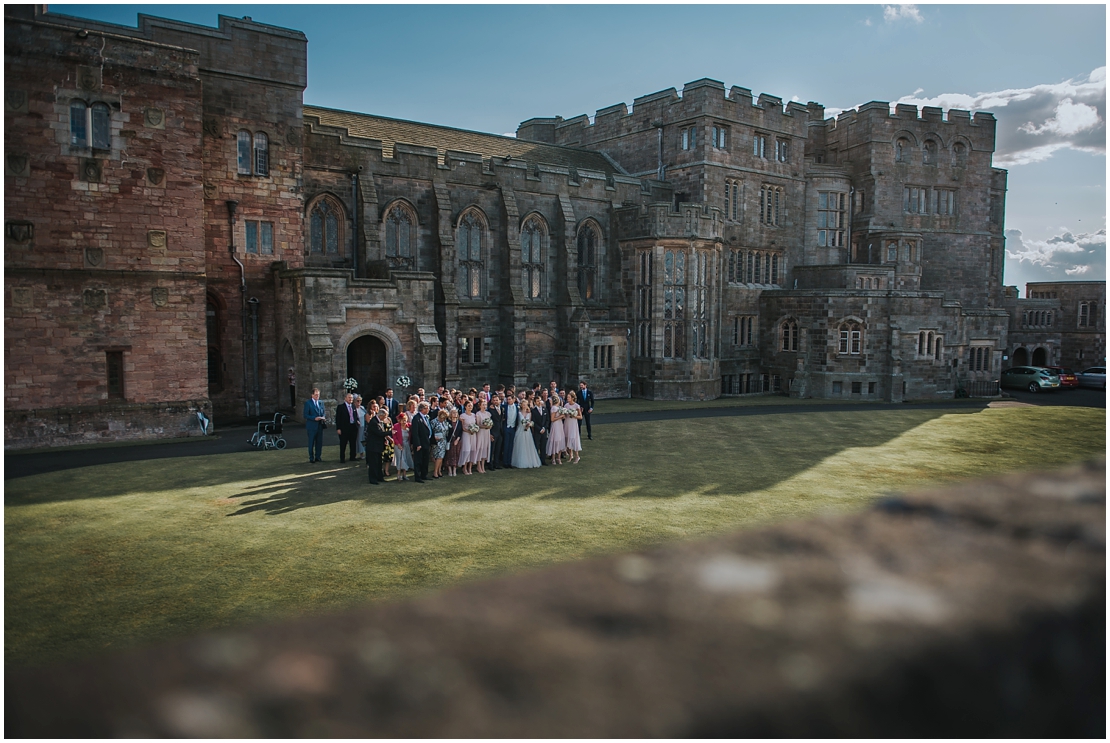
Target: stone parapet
<point x="97" y="424"/>
<point x="977" y="610"/>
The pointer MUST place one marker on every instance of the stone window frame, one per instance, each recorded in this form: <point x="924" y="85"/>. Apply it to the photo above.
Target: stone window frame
<point x="468" y="346"/>
<point x="915" y="199"/>
<point x="743" y="331"/>
<point x="674" y="303"/>
<point x="258" y="243"/>
<point x="782" y="150"/>
<point x="472" y="268"/>
<point x="644" y="271"/>
<point x="688" y="137"/>
<point x="732" y="199"/>
<point x="930" y="151"/>
<point x="850" y="336"/>
<point x="701" y="346"/>
<point x="944" y="202"/>
<point x="252" y="153"/>
<point x="329" y="202"/>
<point x="960" y="151"/>
<point x="788" y="335"/>
<point x="591" y="273"/>
<point x="930" y="345"/>
<point x="115" y="374"/>
<point x="94" y="115"/>
<point x="398" y="252"/>
<point x="772" y="205"/>
<point x="980" y="357"/>
<point x="835" y="214"/>
<point x="759" y="145"/>
<point x="604" y="356"/>
<point x="720" y="136"/>
<point x="533" y="261"/>
<point x="1087" y="315"/>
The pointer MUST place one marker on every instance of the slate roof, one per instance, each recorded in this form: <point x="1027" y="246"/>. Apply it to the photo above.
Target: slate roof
<point x="443" y="138"/>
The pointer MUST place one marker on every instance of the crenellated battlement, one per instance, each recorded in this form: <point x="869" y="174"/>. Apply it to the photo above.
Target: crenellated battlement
<point x="701" y="98"/>
<point x="878" y="111"/>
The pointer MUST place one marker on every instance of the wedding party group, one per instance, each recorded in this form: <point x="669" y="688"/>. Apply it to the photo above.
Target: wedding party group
<point x="451" y="430"/>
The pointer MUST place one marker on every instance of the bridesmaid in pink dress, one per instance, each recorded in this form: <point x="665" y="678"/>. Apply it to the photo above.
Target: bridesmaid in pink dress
<point x="480" y="453"/>
<point x="570" y="427"/>
<point x="556" y="439"/>
<point x="468" y="439"/>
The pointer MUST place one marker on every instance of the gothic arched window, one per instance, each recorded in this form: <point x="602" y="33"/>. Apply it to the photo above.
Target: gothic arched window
<point x="851" y="338"/>
<point x="532" y="237"/>
<point x="902" y="150"/>
<point x="589" y="243"/>
<point x="929" y="153"/>
<point x="325" y="226"/>
<point x="471" y="241"/>
<point x="400" y="236"/>
<point x="789" y="332"/>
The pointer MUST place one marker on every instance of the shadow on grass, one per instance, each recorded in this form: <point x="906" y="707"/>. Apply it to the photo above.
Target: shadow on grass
<point x="649" y="460"/>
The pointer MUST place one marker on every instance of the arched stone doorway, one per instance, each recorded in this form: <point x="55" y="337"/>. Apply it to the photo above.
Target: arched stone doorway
<point x="1021" y="357"/>
<point x="1040" y="357"/>
<point x="366" y="364"/>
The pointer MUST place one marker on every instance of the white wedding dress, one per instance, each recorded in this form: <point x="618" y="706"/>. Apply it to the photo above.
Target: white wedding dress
<point x="524" y="446"/>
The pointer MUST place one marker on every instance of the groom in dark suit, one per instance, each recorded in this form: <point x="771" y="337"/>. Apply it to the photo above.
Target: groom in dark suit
<point x="511" y="418"/>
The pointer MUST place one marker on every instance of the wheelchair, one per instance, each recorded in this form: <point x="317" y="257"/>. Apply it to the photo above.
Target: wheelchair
<point x="268" y="435"/>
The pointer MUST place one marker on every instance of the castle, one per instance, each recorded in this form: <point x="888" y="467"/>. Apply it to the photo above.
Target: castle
<point x="181" y="230"/>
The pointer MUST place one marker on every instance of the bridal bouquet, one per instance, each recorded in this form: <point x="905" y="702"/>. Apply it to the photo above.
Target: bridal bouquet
<point x="487" y="423"/>
<point x="472" y="428"/>
<point x="528" y="425"/>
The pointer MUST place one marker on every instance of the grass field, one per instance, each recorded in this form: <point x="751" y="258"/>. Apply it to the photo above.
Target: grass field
<point x="102" y="557"/>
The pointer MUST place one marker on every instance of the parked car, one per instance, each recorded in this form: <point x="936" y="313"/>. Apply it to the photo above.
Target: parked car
<point x="1093" y="377"/>
<point x="1032" y="378"/>
<point x="1067" y="376"/>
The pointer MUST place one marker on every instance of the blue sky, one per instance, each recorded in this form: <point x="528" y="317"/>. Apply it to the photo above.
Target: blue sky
<point x="1039" y="68"/>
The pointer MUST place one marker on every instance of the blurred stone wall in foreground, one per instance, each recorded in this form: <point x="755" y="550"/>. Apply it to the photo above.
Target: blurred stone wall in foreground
<point x="977" y="610"/>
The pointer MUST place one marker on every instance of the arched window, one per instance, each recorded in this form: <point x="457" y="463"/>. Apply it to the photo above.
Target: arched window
<point x="772" y="205"/>
<point x="929" y="153"/>
<point x="674" y="304"/>
<point x="532" y="238"/>
<point x="789" y="332"/>
<point x="400" y="236"/>
<point x="902" y="150"/>
<point x="261" y="154"/>
<point x="851" y="338"/>
<point x="959" y="154"/>
<point x="921" y="343"/>
<point x="589" y="241"/>
<point x="470" y="240"/>
<point x="325" y="226"/>
<point x="243" y="144"/>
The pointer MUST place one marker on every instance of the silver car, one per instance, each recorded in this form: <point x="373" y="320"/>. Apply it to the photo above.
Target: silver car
<point x="1032" y="378"/>
<point x="1093" y="377"/>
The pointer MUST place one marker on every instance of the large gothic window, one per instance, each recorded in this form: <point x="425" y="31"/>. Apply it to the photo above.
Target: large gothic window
<point x="400" y="236"/>
<point x="325" y="226"/>
<point x="471" y="241"/>
<point x="674" y="304"/>
<point x="789" y="333"/>
<point x="532" y="238"/>
<point x="851" y="338"/>
<point x="589" y="244"/>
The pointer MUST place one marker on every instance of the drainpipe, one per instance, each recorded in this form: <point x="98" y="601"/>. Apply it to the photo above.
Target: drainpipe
<point x="231" y="207"/>
<point x="253" y="302"/>
<point x="628" y="342"/>
<point x="354" y="218"/>
<point x="851" y="208"/>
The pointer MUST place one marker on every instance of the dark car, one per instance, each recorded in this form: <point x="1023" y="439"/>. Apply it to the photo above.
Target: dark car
<point x="1067" y="377"/>
<point x="1093" y="377"/>
<point x="1032" y="378"/>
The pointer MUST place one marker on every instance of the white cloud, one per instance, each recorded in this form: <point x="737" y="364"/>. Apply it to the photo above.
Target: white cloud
<point x="1060" y="256"/>
<point x="1035" y="122"/>
<point x="892" y="13"/>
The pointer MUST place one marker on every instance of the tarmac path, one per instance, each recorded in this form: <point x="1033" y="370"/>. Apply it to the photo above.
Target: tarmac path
<point x="237" y="439"/>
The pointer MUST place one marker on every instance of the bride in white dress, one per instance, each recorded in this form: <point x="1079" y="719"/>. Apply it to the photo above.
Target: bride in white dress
<point x="524" y="446"/>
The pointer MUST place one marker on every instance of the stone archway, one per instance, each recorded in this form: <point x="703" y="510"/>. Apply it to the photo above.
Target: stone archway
<point x="1040" y="357"/>
<point x="367" y="363"/>
<point x="1021" y="357"/>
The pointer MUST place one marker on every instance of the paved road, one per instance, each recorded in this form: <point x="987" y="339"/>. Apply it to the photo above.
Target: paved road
<point x="229" y="440"/>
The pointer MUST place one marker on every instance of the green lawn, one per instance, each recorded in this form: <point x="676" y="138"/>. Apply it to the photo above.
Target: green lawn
<point x="108" y="556"/>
